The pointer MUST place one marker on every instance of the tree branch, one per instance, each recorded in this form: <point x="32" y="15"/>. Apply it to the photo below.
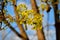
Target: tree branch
<point x="23" y="33"/>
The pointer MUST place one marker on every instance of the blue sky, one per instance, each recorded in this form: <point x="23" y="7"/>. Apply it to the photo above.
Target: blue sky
<point x="32" y="32"/>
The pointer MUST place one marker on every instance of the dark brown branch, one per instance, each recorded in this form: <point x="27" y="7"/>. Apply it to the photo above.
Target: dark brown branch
<point x="57" y="23"/>
<point x="8" y="24"/>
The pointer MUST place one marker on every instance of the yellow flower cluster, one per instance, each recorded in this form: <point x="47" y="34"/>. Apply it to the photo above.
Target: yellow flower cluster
<point x="21" y="7"/>
<point x="32" y="18"/>
<point x="37" y="20"/>
<point x="29" y="17"/>
<point x="25" y="16"/>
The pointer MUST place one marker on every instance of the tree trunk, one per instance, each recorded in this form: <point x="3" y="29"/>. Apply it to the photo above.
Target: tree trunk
<point x="23" y="33"/>
<point x="39" y="32"/>
<point x="57" y="23"/>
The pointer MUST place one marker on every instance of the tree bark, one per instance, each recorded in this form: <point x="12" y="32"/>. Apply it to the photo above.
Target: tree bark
<point x="23" y="33"/>
<point x="39" y="32"/>
<point x="57" y="23"/>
